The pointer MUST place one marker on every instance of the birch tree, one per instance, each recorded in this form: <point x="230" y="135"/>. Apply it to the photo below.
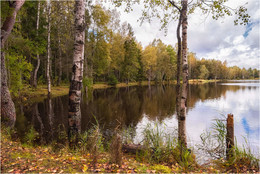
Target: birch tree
<point x="7" y="105"/>
<point x="77" y="72"/>
<point x="49" y="48"/>
<point x="38" y="56"/>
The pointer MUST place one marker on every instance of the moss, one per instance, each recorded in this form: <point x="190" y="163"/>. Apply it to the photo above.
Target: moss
<point x="142" y="169"/>
<point x="24" y="155"/>
<point x="161" y="168"/>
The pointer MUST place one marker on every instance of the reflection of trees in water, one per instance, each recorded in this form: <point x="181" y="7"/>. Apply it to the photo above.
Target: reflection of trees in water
<point x="50" y="115"/>
<point x="208" y="91"/>
<point x="161" y="103"/>
<point x="128" y="105"/>
<point x="45" y="117"/>
<point x="110" y="106"/>
<point x="38" y="121"/>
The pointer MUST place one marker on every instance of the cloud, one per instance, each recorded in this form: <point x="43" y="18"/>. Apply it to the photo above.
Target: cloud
<point x="208" y="38"/>
<point x="239" y="45"/>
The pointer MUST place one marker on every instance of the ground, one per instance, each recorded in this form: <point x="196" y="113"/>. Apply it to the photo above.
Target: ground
<point x="23" y="158"/>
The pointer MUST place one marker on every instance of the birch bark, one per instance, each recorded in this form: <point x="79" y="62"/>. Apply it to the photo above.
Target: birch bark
<point x="49" y="49"/>
<point x="74" y="115"/>
<point x="185" y="74"/>
<point x="38" y="56"/>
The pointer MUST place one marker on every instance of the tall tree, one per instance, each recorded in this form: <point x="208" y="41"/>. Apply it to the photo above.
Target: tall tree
<point x="49" y="48"/>
<point x="38" y="56"/>
<point x="130" y="63"/>
<point x="77" y="72"/>
<point x="185" y="75"/>
<point x="149" y="58"/>
<point x="7" y="105"/>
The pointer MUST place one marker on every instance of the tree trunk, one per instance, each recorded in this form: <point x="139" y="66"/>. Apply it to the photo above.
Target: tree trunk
<point x="179" y="51"/>
<point x="77" y="73"/>
<point x="38" y="56"/>
<point x="185" y="74"/>
<point x="7" y="105"/>
<point x="230" y="137"/>
<point x="149" y="77"/>
<point x="49" y="48"/>
<point x="60" y="64"/>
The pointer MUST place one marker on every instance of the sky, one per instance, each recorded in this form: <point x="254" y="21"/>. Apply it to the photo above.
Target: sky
<point x="208" y="38"/>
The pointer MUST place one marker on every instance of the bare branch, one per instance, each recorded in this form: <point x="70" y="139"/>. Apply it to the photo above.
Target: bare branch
<point x="174" y="5"/>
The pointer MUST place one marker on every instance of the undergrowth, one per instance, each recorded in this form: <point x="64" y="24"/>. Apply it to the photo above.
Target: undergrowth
<point x="161" y="151"/>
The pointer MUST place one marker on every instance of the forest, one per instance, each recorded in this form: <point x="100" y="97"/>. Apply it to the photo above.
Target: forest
<point x="112" y="53"/>
<point x="56" y="117"/>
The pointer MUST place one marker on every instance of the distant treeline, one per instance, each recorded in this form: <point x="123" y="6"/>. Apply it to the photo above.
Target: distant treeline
<point x="112" y="53"/>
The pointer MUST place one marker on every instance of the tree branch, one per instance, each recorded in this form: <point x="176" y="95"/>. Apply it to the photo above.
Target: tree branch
<point x="174" y="5"/>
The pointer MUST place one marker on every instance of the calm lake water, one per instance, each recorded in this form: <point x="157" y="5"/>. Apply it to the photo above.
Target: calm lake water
<point x="138" y="106"/>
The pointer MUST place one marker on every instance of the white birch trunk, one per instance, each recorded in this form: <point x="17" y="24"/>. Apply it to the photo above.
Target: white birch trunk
<point x="38" y="56"/>
<point x="185" y="74"/>
<point x="60" y="63"/>
<point x="49" y="48"/>
<point x="77" y="73"/>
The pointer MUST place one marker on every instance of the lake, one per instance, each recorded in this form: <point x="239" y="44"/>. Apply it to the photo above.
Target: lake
<point x="137" y="106"/>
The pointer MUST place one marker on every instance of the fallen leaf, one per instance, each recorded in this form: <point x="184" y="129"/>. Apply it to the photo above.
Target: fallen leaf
<point x="85" y="168"/>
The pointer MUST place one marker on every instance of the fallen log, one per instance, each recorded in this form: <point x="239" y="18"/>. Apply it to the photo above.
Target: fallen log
<point x="133" y="148"/>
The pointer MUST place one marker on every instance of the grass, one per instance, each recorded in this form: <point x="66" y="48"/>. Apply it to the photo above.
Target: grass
<point x="201" y="81"/>
<point x="41" y="159"/>
<point x="31" y="95"/>
<point x="213" y="144"/>
<point x="91" y="156"/>
<point x="165" y="148"/>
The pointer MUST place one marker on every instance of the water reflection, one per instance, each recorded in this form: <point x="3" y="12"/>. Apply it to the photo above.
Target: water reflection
<point x="137" y="106"/>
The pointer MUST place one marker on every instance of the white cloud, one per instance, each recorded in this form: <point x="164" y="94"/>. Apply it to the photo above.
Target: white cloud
<point x="238" y="40"/>
<point x="206" y="37"/>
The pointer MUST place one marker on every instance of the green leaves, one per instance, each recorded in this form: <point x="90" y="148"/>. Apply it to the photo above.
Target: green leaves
<point x="20" y="71"/>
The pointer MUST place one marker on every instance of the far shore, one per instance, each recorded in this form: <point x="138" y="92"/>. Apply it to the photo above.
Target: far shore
<point x="40" y="93"/>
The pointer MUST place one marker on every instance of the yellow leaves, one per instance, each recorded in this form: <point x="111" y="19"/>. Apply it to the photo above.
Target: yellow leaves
<point x="85" y="168"/>
<point x="71" y="158"/>
<point x="149" y="56"/>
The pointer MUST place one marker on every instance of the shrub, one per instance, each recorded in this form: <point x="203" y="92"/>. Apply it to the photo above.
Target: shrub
<point x="31" y="136"/>
<point x="87" y="82"/>
<point x="112" y="80"/>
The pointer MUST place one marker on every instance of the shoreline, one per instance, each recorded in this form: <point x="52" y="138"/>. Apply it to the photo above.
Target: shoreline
<point x="31" y="95"/>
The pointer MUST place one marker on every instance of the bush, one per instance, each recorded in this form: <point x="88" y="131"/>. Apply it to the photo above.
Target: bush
<point x="31" y="136"/>
<point x="87" y="82"/>
<point x="112" y="80"/>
